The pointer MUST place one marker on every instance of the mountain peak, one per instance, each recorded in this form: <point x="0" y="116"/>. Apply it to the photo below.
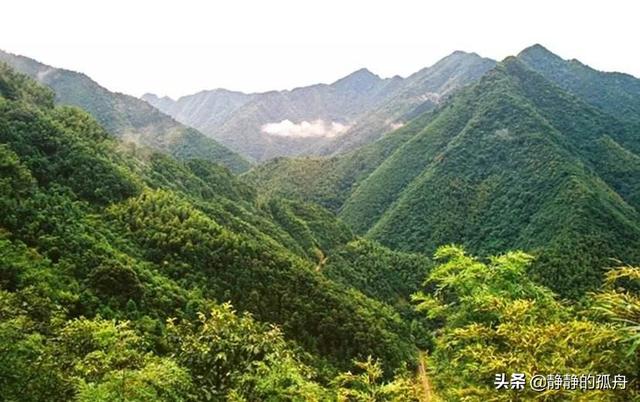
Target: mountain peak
<point x="510" y="61"/>
<point x="513" y="66"/>
<point x="460" y="55"/>
<point x="537" y="51"/>
<point x="150" y="96"/>
<point x="358" y="80"/>
<point x="363" y="72"/>
<point x="455" y="60"/>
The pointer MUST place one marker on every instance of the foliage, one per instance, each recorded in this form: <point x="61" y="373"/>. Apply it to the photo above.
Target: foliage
<point x="231" y="354"/>
<point x="381" y="273"/>
<point x="616" y="93"/>
<point x="512" y="162"/>
<point x="369" y="387"/>
<point x="620" y="302"/>
<point x="119" y="266"/>
<point x="496" y="320"/>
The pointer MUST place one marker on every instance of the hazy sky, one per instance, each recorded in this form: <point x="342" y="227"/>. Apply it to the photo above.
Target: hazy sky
<point x="180" y="47"/>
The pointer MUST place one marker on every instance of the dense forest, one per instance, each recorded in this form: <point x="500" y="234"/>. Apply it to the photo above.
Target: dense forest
<point x="510" y="162"/>
<point x="127" y="274"/>
<point x="117" y="246"/>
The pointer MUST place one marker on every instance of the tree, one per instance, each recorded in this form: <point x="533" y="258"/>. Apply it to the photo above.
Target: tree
<point x="231" y="354"/>
<point x="495" y="320"/>
<point x="368" y="385"/>
<point x="619" y="301"/>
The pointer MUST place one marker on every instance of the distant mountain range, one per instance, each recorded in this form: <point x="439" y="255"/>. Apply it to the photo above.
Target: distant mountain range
<point x="125" y="116"/>
<point x="315" y="120"/>
<point x="321" y="119"/>
<point x="540" y="154"/>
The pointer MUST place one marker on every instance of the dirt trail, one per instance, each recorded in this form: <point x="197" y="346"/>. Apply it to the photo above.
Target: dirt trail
<point x="423" y="379"/>
<point x="322" y="259"/>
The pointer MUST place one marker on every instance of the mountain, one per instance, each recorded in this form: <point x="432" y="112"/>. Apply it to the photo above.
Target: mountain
<point x="127" y="274"/>
<point x="615" y="93"/>
<point x="126" y="260"/>
<point x="321" y="119"/>
<point x="284" y="123"/>
<point x="511" y="162"/>
<point x="204" y="109"/>
<point x="419" y="92"/>
<point x="125" y="116"/>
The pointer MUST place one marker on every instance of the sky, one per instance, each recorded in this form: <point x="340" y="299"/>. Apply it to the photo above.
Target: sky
<point x="177" y="48"/>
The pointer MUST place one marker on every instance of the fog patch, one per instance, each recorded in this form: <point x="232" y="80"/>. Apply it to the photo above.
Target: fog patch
<point x="42" y="74"/>
<point x="315" y="128"/>
<point x="393" y="125"/>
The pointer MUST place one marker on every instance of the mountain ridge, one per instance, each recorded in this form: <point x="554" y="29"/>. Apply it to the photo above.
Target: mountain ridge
<point x="364" y="104"/>
<point x="613" y="92"/>
<point x="457" y="174"/>
<point x="126" y="116"/>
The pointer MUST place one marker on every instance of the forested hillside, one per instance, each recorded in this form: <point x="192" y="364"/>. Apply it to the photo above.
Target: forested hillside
<point x="125" y="116"/>
<point x="512" y="162"/>
<point x="116" y="262"/>
<point x="503" y="168"/>
<point x="419" y="92"/>
<point x="615" y="93"/>
<point x="329" y="181"/>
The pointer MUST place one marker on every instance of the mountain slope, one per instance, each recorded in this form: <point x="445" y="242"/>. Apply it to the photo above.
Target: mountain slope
<point x="323" y="107"/>
<point x="203" y="109"/>
<point x="421" y="91"/>
<point x="322" y="119"/>
<point x="615" y="93"/>
<point x="329" y="181"/>
<point x="136" y="235"/>
<point x="125" y="116"/>
<point x="513" y="162"/>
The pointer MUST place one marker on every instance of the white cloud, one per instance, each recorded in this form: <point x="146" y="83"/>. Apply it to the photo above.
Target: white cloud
<point x="315" y="128"/>
<point x="395" y="125"/>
